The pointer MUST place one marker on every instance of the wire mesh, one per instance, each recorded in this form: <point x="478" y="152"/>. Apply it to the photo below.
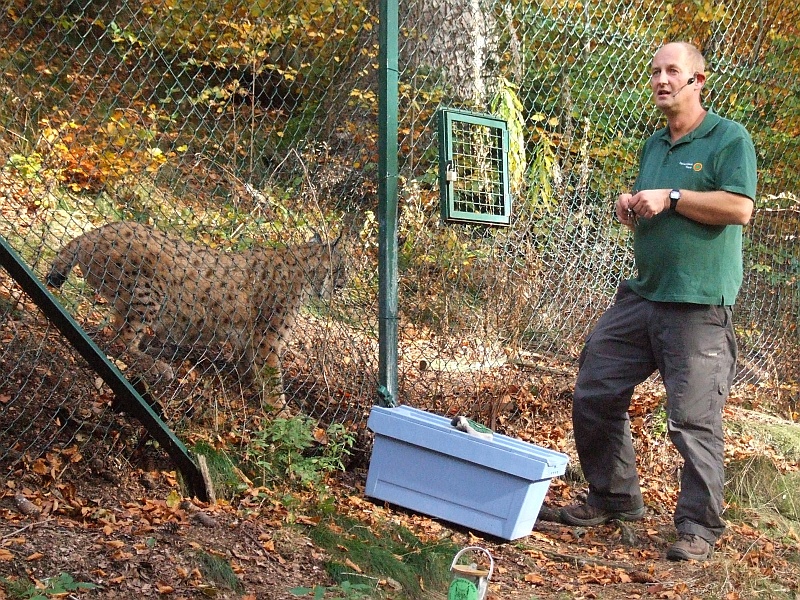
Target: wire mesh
<point x="242" y="130"/>
<point x="504" y="310"/>
<point x="230" y="141"/>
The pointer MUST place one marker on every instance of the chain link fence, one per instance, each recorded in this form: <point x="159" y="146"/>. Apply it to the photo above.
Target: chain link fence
<point x="572" y="79"/>
<point x="232" y="137"/>
<point x="245" y="131"/>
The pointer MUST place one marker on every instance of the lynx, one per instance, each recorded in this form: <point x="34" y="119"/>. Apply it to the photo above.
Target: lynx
<point x="190" y="294"/>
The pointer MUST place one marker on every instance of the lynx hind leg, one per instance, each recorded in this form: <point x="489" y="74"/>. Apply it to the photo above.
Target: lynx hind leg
<point x="132" y="334"/>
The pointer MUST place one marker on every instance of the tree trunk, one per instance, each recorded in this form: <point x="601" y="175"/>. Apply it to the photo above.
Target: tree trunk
<point x="453" y="41"/>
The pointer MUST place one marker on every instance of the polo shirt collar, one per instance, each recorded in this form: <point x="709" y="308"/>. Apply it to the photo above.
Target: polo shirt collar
<point x="709" y="122"/>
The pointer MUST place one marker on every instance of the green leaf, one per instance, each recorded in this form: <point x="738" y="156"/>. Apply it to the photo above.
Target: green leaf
<point x="300" y="591"/>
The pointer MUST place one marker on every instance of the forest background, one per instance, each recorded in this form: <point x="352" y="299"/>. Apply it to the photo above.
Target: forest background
<point x="256" y="124"/>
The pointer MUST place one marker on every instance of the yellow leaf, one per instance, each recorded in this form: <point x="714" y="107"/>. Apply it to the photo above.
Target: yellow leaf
<point x="6" y="555"/>
<point x="173" y="499"/>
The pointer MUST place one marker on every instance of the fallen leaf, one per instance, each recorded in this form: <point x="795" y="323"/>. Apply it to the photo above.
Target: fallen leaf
<point x="352" y="565"/>
<point x="305" y="520"/>
<point x="164" y="588"/>
<point x="173" y="499"/>
<point x="534" y="578"/>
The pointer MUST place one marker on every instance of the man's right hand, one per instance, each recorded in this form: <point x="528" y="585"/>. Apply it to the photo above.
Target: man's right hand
<point x="624" y="212"/>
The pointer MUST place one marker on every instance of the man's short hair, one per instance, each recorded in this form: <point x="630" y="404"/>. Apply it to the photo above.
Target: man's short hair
<point x="696" y="58"/>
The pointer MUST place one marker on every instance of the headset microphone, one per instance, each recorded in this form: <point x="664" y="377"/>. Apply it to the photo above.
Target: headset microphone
<point x="690" y="81"/>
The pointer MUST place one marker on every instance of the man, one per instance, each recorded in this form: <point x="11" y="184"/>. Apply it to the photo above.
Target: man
<point x="695" y="190"/>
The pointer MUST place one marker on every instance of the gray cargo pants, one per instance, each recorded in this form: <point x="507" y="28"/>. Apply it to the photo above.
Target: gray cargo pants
<point x="694" y="348"/>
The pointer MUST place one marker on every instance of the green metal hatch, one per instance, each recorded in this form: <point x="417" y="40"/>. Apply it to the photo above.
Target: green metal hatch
<point x="473" y="168"/>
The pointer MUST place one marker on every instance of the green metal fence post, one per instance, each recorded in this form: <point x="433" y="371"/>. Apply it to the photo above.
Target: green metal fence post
<point x="387" y="209"/>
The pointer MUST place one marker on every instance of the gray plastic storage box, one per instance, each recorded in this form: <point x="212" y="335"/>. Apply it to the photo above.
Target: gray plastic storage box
<point x="497" y="486"/>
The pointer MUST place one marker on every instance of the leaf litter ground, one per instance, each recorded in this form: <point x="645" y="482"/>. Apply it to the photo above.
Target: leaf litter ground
<point x="129" y="533"/>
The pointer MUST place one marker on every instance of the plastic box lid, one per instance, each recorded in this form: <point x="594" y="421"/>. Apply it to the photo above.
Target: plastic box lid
<point x="435" y="432"/>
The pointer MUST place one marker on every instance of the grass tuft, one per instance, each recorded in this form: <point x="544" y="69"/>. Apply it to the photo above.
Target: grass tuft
<point x="756" y="485"/>
<point x="385" y="551"/>
<point x="219" y="571"/>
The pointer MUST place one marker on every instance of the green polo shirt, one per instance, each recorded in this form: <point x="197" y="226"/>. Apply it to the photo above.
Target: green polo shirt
<point x="677" y="259"/>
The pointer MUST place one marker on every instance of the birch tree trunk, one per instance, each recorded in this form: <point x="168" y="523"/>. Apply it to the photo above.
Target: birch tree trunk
<point x="456" y="39"/>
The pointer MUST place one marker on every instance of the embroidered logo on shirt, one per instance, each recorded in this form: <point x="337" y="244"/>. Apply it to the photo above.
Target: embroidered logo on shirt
<point x="693" y="166"/>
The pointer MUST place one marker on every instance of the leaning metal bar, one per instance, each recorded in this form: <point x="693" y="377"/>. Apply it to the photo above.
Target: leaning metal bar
<point x="130" y="400"/>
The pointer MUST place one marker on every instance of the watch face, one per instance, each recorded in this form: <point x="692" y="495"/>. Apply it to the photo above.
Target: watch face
<point x="674" y="195"/>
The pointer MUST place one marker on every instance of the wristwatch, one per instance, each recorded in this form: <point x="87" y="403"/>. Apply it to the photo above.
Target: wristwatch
<point x="674" y="196"/>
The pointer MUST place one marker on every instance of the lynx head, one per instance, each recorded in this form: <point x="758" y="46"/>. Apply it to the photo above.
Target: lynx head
<point x="326" y="266"/>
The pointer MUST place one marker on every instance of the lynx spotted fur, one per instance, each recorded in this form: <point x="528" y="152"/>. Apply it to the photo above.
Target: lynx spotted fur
<point x="192" y="295"/>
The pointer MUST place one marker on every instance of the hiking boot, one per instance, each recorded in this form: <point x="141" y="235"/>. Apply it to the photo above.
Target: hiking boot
<point x="689" y="547"/>
<point x="586" y="515"/>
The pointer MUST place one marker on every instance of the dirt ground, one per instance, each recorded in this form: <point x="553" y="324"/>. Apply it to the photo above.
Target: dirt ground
<point x="130" y="534"/>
